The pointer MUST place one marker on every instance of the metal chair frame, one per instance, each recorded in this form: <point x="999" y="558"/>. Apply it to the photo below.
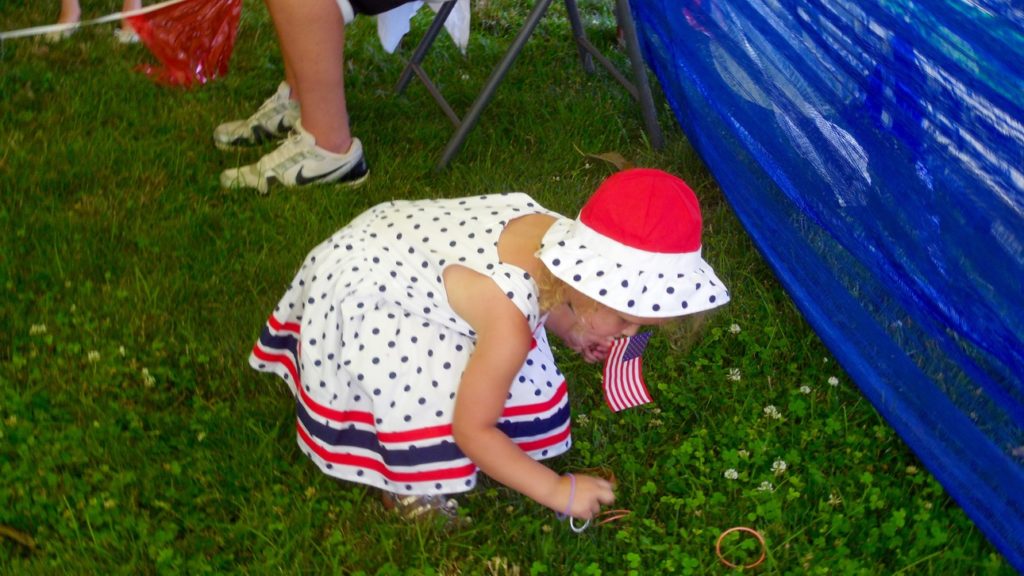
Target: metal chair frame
<point x="638" y="87"/>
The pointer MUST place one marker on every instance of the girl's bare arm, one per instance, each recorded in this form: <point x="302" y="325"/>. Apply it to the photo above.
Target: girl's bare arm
<point x="503" y="341"/>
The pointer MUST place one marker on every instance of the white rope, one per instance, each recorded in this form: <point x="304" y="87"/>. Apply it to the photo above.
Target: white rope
<point x="115" y="17"/>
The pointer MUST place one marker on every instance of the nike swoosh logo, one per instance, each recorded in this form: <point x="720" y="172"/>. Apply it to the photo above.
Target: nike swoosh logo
<point x="301" y="179"/>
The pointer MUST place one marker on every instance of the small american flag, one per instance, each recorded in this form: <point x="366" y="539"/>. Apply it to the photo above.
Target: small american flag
<point x="623" y="381"/>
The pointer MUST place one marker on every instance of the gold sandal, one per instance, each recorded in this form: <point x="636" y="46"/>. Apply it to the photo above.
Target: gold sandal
<point x="416" y="506"/>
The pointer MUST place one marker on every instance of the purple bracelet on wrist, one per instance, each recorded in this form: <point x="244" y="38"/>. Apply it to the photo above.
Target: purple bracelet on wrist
<point x="568" y="507"/>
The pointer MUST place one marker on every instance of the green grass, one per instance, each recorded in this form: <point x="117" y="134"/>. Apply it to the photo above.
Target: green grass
<point x="135" y="440"/>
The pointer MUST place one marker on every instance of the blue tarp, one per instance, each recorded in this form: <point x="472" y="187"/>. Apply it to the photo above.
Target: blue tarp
<point x="874" y="150"/>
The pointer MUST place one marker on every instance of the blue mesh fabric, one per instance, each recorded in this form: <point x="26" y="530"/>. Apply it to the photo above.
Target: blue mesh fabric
<point x="874" y="150"/>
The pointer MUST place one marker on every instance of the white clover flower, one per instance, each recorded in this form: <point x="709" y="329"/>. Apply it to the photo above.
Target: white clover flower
<point x="93" y="356"/>
<point x="37" y="329"/>
<point x="731" y="474"/>
<point x="766" y="486"/>
<point x="778" y="467"/>
<point x="734" y="329"/>
<point x="734" y="374"/>
<point x="772" y="412"/>
<point x="805" y="389"/>
<point x="833" y="381"/>
<point x="743" y="454"/>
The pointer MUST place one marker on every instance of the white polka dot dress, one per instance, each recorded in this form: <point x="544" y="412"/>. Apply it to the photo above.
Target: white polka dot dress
<point x="373" y="353"/>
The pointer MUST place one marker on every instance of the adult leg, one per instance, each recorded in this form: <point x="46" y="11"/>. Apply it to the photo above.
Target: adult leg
<point x="129" y="6"/>
<point x="126" y="34"/>
<point x="312" y="39"/>
<point x="321" y="149"/>
<point x="70" y="12"/>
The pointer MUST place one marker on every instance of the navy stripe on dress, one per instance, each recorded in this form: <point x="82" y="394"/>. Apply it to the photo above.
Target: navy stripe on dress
<point x="430" y="453"/>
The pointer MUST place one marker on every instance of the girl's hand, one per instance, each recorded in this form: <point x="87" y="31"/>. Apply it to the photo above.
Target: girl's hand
<point x="592" y="349"/>
<point x="574" y="334"/>
<point x="590" y="494"/>
<point x="596" y="352"/>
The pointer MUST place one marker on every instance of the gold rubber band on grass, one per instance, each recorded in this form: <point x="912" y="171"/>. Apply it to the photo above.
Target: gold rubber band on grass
<point x="755" y="533"/>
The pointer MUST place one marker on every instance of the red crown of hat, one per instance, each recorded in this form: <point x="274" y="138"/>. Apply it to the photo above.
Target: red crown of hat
<point x="646" y="209"/>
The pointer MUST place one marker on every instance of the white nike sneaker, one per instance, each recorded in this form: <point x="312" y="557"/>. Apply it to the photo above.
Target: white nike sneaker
<point x="298" y="161"/>
<point x="273" y="121"/>
<point x="125" y="36"/>
<point x="67" y="31"/>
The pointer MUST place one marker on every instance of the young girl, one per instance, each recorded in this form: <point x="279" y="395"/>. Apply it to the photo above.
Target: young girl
<point x="414" y="338"/>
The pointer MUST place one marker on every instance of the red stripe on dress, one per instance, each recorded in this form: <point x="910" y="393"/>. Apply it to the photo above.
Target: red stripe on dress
<point x="379" y="467"/>
<point x="367" y="418"/>
<point x="446" y="430"/>
<point x="281" y="359"/>
<point x="283" y="326"/>
<point x="336" y="415"/>
<point x="417" y="434"/>
<point x="527" y="409"/>
<point x="544" y="442"/>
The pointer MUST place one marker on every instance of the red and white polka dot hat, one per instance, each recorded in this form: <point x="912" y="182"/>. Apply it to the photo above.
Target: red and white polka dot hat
<point x="636" y="248"/>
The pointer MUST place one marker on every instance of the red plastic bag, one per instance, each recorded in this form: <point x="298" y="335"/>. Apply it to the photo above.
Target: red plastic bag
<point x="191" y="39"/>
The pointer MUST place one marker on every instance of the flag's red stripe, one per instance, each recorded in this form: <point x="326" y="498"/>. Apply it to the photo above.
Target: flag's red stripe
<point x="613" y="375"/>
<point x="631" y="384"/>
<point x="629" y="375"/>
<point x="623" y="381"/>
<point x="608" y="378"/>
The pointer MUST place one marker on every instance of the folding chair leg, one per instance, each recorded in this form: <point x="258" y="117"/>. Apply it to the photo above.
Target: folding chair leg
<point x="643" y="88"/>
<point x="639" y="88"/>
<point x="579" y="35"/>
<point x="424" y="46"/>
<point x="497" y="75"/>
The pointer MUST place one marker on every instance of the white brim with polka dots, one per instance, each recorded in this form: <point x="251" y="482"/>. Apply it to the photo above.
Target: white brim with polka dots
<point x="630" y="280"/>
